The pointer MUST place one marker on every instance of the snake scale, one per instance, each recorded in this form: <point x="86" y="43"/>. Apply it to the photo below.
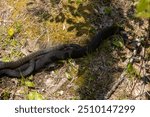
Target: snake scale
<point x="32" y="63"/>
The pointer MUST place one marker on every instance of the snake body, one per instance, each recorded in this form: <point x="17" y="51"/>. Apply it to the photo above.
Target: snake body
<point x="15" y="64"/>
<point x="21" y="71"/>
<point x="37" y="60"/>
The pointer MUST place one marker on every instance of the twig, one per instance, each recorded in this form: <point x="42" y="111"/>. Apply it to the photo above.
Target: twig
<point x="113" y="89"/>
<point x="122" y="76"/>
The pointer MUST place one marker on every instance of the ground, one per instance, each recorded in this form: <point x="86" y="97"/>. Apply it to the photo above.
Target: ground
<point x="29" y="25"/>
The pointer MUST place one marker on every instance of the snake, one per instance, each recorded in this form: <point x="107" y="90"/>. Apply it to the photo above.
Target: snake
<point x="29" y="66"/>
<point x="14" y="64"/>
<point x="32" y="63"/>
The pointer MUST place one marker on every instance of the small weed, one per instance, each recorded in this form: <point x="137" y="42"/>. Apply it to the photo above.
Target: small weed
<point x="34" y="95"/>
<point x="27" y="82"/>
<point x="132" y="71"/>
<point x="117" y="41"/>
<point x="107" y="11"/>
<point x="18" y="27"/>
<point x="11" y="32"/>
<point x="14" y="30"/>
<point x="5" y="95"/>
<point x="6" y="59"/>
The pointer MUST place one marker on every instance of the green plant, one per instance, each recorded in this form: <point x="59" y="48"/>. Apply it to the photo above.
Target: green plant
<point x="34" y="95"/>
<point x="118" y="42"/>
<point x="132" y="71"/>
<point x="5" y="95"/>
<point x="143" y="9"/>
<point x="107" y="11"/>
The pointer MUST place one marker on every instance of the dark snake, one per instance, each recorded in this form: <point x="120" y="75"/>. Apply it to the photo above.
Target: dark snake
<point x="38" y="60"/>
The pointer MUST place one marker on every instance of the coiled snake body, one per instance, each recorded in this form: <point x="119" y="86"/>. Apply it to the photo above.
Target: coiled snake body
<point x="37" y="60"/>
